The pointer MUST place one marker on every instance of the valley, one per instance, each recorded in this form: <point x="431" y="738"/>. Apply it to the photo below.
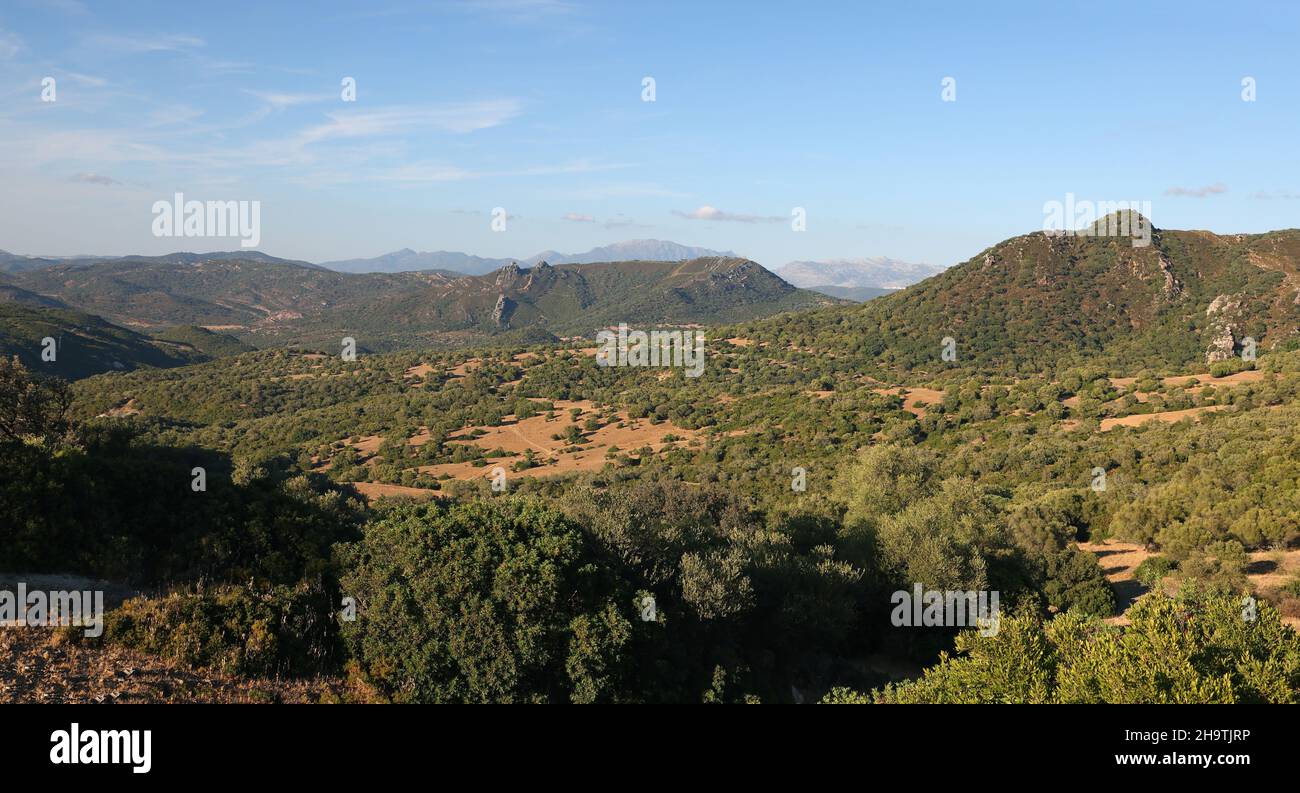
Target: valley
<point x="827" y="453"/>
<point x="533" y="352"/>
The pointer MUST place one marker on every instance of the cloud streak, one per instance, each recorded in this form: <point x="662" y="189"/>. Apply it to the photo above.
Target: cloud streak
<point x="521" y="11"/>
<point x="280" y="100"/>
<point x="416" y="172"/>
<point x="94" y="178"/>
<point x="1198" y="192"/>
<point x="142" y="43"/>
<point x="1279" y="195"/>
<point x="10" y="45"/>
<point x="458" y="118"/>
<point x="87" y="80"/>
<point x="713" y="213"/>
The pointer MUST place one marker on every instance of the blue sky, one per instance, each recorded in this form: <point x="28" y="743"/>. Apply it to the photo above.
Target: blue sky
<point x="536" y="106"/>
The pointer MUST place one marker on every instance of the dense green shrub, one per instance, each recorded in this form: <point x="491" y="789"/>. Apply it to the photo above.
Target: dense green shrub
<point x="1197" y="649"/>
<point x="1153" y="569"/>
<point x="1075" y="581"/>
<point x="489" y="601"/>
<point x="237" y="630"/>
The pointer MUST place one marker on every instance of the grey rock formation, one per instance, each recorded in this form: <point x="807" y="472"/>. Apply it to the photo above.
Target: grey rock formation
<point x="1221" y="331"/>
<point x="501" y="314"/>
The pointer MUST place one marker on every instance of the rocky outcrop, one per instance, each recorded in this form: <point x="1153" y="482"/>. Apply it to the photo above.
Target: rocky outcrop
<point x="507" y="276"/>
<point x="541" y="275"/>
<point x="501" y="314"/>
<point x="1172" y="288"/>
<point x="1221" y="332"/>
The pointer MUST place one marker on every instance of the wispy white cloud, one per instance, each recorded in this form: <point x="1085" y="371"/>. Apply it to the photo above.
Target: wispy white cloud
<point x="511" y="11"/>
<point x="618" y="221"/>
<point x="357" y="145"/>
<point x="69" y="7"/>
<point x="458" y="118"/>
<point x="713" y="213"/>
<point x="350" y="146"/>
<point x="621" y="221"/>
<point x="140" y="43"/>
<point x="33" y="146"/>
<point x="1279" y="195"/>
<point x="10" y="45"/>
<point x="521" y="11"/>
<point x="622" y="190"/>
<point x="221" y="66"/>
<point x="171" y="115"/>
<point x="584" y="165"/>
<point x="87" y="80"/>
<point x="279" y="100"/>
<point x="1197" y="192"/>
<point x="414" y="172"/>
<point x="94" y="178"/>
<point x="165" y="140"/>
<point x="418" y="172"/>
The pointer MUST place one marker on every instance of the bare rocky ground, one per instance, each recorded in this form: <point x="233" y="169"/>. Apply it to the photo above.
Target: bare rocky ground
<point x="47" y="665"/>
<point x="56" y="665"/>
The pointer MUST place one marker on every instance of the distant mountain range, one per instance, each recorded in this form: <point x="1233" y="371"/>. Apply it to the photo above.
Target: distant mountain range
<point x="15" y="263"/>
<point x="850" y="279"/>
<point x="855" y="294"/>
<point x="407" y="260"/>
<point x="630" y="250"/>
<point x="879" y="273"/>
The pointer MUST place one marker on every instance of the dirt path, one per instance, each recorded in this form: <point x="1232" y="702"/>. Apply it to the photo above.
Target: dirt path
<point x="514" y="430"/>
<point x="1118" y="562"/>
<point x="1266" y="573"/>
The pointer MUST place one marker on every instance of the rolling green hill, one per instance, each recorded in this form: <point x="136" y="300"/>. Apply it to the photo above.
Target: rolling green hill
<point x="1036" y="302"/>
<point x="249" y="296"/>
<point x="270" y="303"/>
<point x="207" y="342"/>
<point x="16" y="294"/>
<point x="579" y="299"/>
<point x="85" y="345"/>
